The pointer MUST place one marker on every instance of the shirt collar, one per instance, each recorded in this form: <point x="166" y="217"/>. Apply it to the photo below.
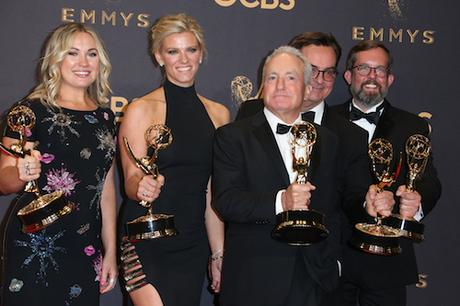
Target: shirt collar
<point x="273" y="120"/>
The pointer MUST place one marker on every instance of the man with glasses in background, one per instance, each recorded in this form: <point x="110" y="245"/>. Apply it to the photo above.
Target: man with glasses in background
<point x="323" y="52"/>
<point x="369" y="279"/>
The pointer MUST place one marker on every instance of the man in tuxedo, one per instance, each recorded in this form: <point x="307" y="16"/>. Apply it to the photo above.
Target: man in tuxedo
<point x="370" y="279"/>
<point x="323" y="52"/>
<point x="253" y="180"/>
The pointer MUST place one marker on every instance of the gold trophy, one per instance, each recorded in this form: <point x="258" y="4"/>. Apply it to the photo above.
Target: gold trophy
<point x="301" y="227"/>
<point x="151" y="226"/>
<point x="418" y="148"/>
<point x="47" y="208"/>
<point x="377" y="238"/>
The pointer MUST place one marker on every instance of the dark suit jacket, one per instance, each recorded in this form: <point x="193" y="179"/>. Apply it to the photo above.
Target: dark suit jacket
<point x="248" y="173"/>
<point x="375" y="271"/>
<point x="353" y="164"/>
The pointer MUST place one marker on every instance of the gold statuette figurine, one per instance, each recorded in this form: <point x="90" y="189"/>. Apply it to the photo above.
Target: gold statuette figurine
<point x="377" y="238"/>
<point x="418" y="149"/>
<point x="151" y="226"/>
<point x="47" y="208"/>
<point x="301" y="227"/>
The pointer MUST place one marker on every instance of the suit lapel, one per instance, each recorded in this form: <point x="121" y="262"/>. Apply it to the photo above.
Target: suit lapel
<point x="386" y="123"/>
<point x="264" y="135"/>
<point x="343" y="109"/>
<point x="315" y="158"/>
<point x="315" y="155"/>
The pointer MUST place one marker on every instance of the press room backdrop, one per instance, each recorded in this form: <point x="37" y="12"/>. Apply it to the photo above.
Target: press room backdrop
<point x="422" y="35"/>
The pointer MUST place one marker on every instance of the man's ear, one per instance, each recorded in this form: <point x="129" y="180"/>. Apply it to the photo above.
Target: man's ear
<point x="391" y="78"/>
<point x="308" y="89"/>
<point x="347" y="76"/>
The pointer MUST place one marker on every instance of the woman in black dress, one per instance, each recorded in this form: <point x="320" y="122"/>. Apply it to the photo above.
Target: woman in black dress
<point x="170" y="271"/>
<point x="72" y="260"/>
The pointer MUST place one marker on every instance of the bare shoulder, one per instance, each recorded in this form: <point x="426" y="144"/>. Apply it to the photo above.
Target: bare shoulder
<point x="151" y="108"/>
<point x="218" y="112"/>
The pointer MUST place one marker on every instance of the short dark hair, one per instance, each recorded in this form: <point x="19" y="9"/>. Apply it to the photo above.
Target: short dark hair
<point x="317" y="39"/>
<point x="366" y="45"/>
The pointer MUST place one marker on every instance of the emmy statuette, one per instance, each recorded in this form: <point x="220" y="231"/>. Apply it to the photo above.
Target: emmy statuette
<point x="377" y="238"/>
<point x="301" y="227"/>
<point x="418" y="148"/>
<point x="47" y="208"/>
<point x="151" y="226"/>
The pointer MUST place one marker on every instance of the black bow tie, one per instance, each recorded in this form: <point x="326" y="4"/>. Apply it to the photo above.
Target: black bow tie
<point x="282" y="128"/>
<point x="308" y="116"/>
<point x="372" y="117"/>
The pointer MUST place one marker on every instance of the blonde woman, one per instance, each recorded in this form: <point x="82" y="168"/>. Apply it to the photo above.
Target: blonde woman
<point x="170" y="271"/>
<point x="72" y="260"/>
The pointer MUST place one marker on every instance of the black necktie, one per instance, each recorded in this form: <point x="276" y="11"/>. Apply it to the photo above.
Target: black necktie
<point x="282" y="128"/>
<point x="308" y="116"/>
<point x="372" y="117"/>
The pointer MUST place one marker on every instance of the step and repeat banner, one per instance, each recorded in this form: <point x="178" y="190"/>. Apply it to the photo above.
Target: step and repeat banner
<point x="421" y="34"/>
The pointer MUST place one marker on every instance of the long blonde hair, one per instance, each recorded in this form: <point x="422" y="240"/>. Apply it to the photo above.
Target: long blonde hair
<point x="49" y="74"/>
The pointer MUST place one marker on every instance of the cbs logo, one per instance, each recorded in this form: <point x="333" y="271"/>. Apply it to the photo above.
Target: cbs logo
<point x="286" y="5"/>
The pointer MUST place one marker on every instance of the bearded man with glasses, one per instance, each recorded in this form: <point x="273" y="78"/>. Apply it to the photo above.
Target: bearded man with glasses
<point x="370" y="279"/>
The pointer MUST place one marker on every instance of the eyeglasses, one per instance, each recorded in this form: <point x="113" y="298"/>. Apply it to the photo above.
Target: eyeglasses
<point x="365" y="70"/>
<point x="329" y="74"/>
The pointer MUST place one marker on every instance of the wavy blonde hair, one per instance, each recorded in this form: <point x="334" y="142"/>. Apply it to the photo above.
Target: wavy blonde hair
<point x="172" y="24"/>
<point x="49" y="73"/>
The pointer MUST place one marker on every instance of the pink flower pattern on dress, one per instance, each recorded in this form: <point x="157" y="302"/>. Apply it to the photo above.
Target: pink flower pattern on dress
<point x="60" y="179"/>
<point x="47" y="158"/>
<point x="89" y="250"/>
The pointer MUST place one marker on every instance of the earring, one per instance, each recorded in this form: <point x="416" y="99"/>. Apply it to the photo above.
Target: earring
<point x="201" y="60"/>
<point x="161" y="65"/>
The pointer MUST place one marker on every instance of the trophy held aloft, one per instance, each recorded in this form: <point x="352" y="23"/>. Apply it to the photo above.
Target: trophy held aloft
<point x="44" y="209"/>
<point x="307" y="226"/>
<point x="418" y="149"/>
<point x="150" y="225"/>
<point x="377" y="238"/>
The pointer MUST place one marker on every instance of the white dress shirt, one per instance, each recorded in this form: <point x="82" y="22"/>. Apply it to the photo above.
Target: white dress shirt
<point x="369" y="127"/>
<point x="319" y="112"/>
<point x="284" y="147"/>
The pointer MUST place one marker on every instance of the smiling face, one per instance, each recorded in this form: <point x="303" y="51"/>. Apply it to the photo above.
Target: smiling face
<point x="284" y="86"/>
<point x="80" y="65"/>
<point x="369" y="90"/>
<point x="323" y="58"/>
<point x="181" y="55"/>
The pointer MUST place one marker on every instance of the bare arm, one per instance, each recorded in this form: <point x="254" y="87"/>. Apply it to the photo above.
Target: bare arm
<point x="215" y="229"/>
<point x="214" y="225"/>
<point x="108" y="232"/>
<point x="137" y="118"/>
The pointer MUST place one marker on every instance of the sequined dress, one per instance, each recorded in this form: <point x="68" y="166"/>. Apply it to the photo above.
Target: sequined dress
<point x="176" y="266"/>
<point x="61" y="264"/>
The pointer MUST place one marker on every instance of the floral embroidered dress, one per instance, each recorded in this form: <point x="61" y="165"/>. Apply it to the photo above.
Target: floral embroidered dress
<point x="61" y="264"/>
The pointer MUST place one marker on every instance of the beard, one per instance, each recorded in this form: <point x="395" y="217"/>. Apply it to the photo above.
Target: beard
<point x="369" y="99"/>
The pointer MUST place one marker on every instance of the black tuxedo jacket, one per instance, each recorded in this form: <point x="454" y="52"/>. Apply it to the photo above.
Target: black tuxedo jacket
<point x="375" y="271"/>
<point x="353" y="165"/>
<point x="248" y="173"/>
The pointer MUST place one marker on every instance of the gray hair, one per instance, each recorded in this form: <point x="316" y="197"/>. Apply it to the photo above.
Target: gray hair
<point x="295" y="52"/>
